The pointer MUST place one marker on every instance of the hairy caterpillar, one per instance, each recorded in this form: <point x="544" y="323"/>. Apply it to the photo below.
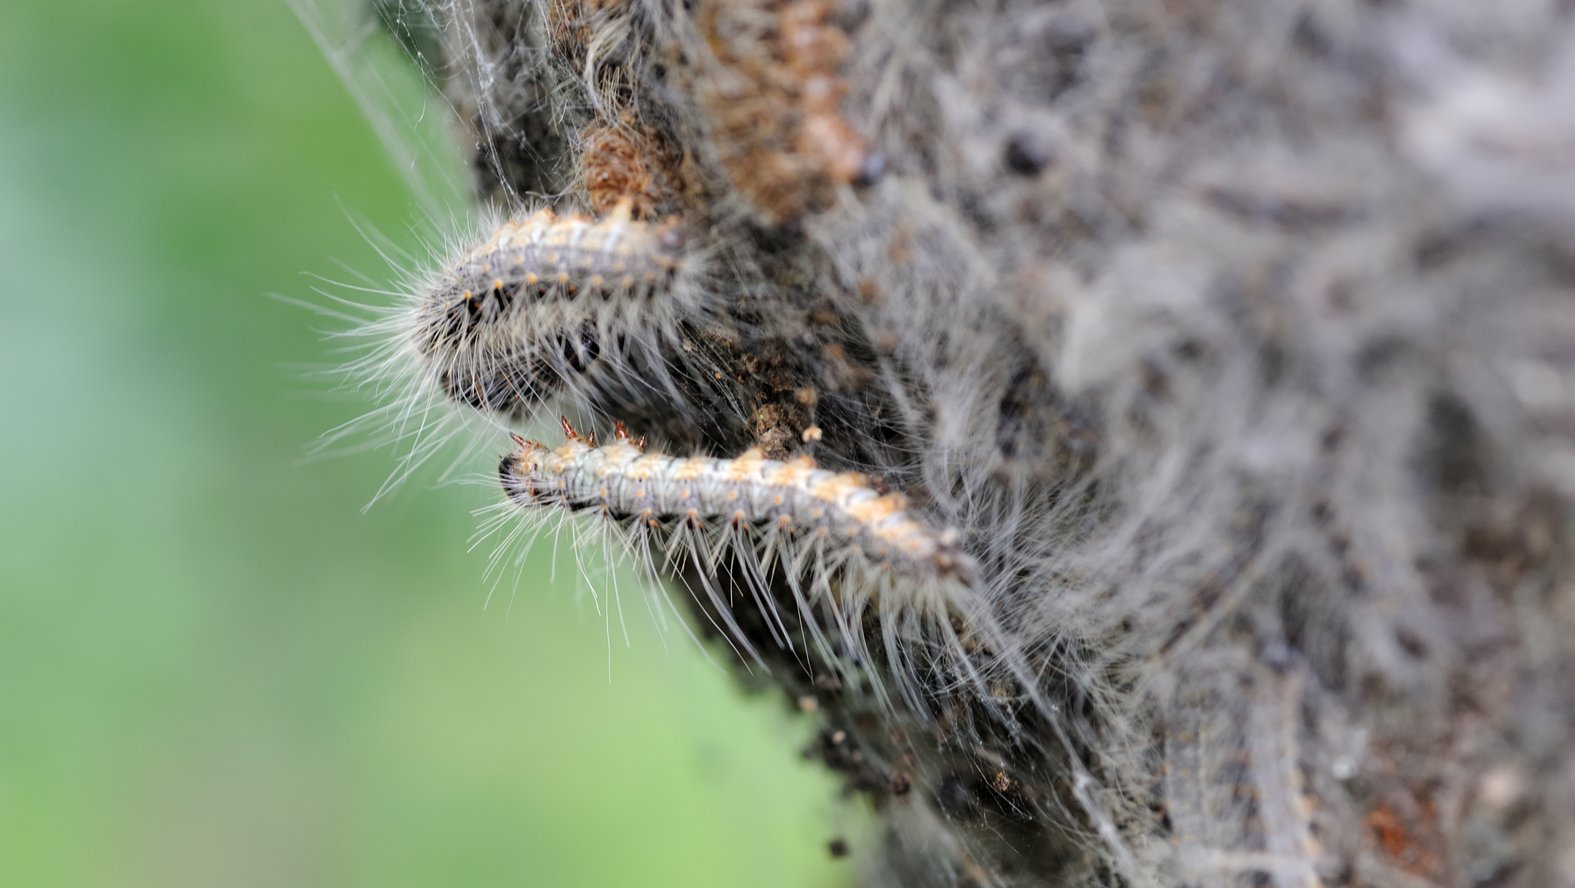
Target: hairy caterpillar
<point x="533" y="306"/>
<point x="527" y="315"/>
<point x="832" y="541"/>
<point x="626" y="163"/>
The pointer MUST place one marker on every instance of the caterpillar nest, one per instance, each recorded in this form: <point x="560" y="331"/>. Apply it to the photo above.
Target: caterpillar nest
<point x="1233" y="339"/>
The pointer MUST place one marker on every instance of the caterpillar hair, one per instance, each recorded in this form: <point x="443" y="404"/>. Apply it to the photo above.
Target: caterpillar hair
<point x="545" y="310"/>
<point x="536" y="303"/>
<point x="845" y="553"/>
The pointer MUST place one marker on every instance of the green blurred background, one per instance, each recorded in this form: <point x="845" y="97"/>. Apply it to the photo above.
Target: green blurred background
<point x="214" y="669"/>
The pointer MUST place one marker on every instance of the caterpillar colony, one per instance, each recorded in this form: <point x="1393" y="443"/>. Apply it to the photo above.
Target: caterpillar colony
<point x="1145" y="430"/>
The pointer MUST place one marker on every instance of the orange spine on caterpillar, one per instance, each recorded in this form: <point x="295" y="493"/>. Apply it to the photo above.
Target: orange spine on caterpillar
<point x="802" y="538"/>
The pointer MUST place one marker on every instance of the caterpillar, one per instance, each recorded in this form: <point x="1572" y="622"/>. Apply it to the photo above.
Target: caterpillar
<point x="829" y="543"/>
<point x="524" y="315"/>
<point x="548" y="261"/>
<point x="772" y="103"/>
<point x="530" y="308"/>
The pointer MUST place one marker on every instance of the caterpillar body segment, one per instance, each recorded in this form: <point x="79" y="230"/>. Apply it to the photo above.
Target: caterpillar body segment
<point x="549" y="309"/>
<point x="859" y="568"/>
<point x="546" y="301"/>
<point x="564" y="265"/>
<point x="511" y="383"/>
<point x="621" y="479"/>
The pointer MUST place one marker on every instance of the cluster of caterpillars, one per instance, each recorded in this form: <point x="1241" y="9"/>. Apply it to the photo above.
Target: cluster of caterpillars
<point x="1140" y="433"/>
<point x="787" y="501"/>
